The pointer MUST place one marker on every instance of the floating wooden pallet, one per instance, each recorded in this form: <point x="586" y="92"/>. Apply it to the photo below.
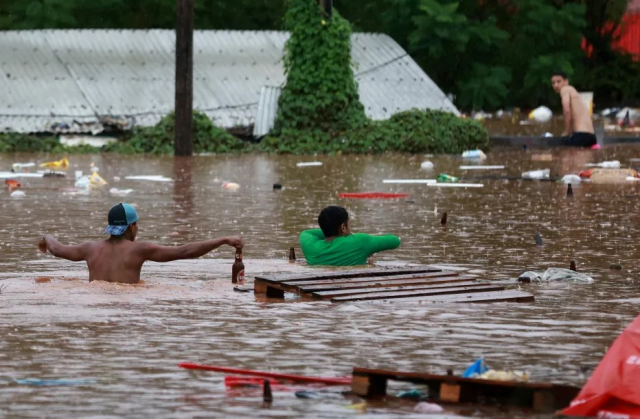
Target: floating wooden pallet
<point x="541" y="397"/>
<point x="406" y="284"/>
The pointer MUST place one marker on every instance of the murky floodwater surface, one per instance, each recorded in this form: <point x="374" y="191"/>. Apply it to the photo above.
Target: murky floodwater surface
<point x="126" y="340"/>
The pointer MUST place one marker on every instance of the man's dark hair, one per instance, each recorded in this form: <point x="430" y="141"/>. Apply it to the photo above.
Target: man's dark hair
<point x="560" y="73"/>
<point x="330" y="220"/>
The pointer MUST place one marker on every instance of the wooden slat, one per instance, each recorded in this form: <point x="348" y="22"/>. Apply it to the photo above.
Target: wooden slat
<point x="348" y="274"/>
<point x="312" y="287"/>
<point x="327" y="295"/>
<point x="399" y="294"/>
<point x="373" y="278"/>
<point x="481" y="297"/>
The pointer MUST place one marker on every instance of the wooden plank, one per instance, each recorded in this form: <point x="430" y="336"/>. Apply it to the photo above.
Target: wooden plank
<point x="400" y="294"/>
<point x="387" y="283"/>
<point x="481" y="297"/>
<point x="348" y="274"/>
<point x="327" y="295"/>
<point x="438" y="274"/>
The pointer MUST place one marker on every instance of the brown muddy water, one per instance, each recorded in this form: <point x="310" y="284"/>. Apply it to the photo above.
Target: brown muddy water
<point x="126" y="341"/>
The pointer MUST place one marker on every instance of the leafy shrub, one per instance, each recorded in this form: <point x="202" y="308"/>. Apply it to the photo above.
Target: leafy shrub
<point x="159" y="138"/>
<point x="414" y="131"/>
<point x="26" y="143"/>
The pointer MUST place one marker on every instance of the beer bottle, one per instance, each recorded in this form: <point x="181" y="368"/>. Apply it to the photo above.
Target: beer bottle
<point x="237" y="270"/>
<point x="292" y="255"/>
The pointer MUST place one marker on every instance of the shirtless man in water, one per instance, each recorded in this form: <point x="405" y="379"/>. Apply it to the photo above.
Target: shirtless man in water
<point x="577" y="121"/>
<point x="119" y="258"/>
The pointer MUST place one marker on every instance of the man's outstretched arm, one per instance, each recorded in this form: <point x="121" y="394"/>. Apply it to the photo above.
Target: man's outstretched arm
<point x="157" y="253"/>
<point x="73" y="253"/>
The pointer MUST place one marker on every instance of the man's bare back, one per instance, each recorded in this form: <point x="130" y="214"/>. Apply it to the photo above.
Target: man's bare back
<point x="580" y="119"/>
<point x="120" y="258"/>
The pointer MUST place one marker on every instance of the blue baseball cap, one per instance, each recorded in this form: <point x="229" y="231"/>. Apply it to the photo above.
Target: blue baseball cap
<point x="120" y="218"/>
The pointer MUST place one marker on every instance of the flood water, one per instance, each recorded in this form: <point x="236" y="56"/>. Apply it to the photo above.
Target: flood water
<point x="126" y="341"/>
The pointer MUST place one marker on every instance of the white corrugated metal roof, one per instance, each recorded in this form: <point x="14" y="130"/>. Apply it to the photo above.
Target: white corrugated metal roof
<point x="55" y="77"/>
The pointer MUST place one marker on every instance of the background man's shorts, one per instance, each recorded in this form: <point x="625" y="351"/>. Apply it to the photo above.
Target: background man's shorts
<point x="582" y="139"/>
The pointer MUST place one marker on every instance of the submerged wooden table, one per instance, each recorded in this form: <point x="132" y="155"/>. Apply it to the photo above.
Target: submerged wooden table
<point x="541" y="397"/>
<point x="426" y="283"/>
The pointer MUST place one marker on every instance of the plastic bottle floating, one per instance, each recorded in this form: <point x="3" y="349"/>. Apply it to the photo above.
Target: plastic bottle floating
<point x="474" y="154"/>
<point x="230" y="186"/>
<point x="426" y="165"/>
<point x="53" y="165"/>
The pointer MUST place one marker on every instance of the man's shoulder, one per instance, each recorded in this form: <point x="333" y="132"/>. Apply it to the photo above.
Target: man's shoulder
<point x="568" y="89"/>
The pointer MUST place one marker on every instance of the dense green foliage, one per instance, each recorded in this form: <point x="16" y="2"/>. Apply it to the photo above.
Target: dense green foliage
<point x="489" y="53"/>
<point x="25" y="143"/>
<point x="207" y="138"/>
<point x="320" y="98"/>
<point x="415" y="131"/>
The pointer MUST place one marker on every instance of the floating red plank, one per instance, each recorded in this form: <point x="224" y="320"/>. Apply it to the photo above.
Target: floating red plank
<point x="372" y="195"/>
<point x="338" y="381"/>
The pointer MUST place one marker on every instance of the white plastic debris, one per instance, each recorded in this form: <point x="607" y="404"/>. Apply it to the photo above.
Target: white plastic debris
<point x="557" y="274"/>
<point x="474" y="154"/>
<point x="230" y="186"/>
<point x="632" y="179"/>
<point x="11" y="175"/>
<point x="497" y="167"/>
<point x="79" y="174"/>
<point x="537" y="174"/>
<point x="309" y="163"/>
<point x="612" y="164"/>
<point x="116" y="178"/>
<point x="420" y="181"/>
<point x="152" y="178"/>
<point x="21" y="166"/>
<point x="571" y="179"/>
<point x="424" y="407"/>
<point x="83" y="182"/>
<point x="547" y="135"/>
<point x="541" y="114"/>
<point x="17" y="194"/>
<point x="120" y="192"/>
<point x="426" y="165"/>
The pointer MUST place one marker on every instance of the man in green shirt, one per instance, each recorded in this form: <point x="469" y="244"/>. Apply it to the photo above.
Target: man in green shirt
<point x="334" y="244"/>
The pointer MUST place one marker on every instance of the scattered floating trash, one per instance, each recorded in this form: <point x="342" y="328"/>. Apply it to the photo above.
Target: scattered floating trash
<point x="596" y="147"/>
<point x="537" y="174"/>
<point x="613" y="164"/>
<point x="230" y="186"/>
<point x="11" y="175"/>
<point x="571" y="179"/>
<point x="475" y="369"/>
<point x="615" y="266"/>
<point x="17" y="194"/>
<point x="426" y="165"/>
<point x="79" y="174"/>
<point x="569" y="191"/>
<point x="120" y="192"/>
<point x="541" y="114"/>
<point x="474" y="154"/>
<point x="496" y="375"/>
<point x="538" y="239"/>
<point x="116" y="178"/>
<point x="443" y="220"/>
<point x="420" y="181"/>
<point x="424" y="407"/>
<point x="97" y="180"/>
<point x="12" y="183"/>
<point x="305" y="394"/>
<point x="457" y="185"/>
<point x="481" y="167"/>
<point x="53" y="382"/>
<point x="443" y="177"/>
<point x="277" y="186"/>
<point x="84" y="183"/>
<point x="631" y="178"/>
<point x="152" y="178"/>
<point x="600" y="175"/>
<point x="555" y="274"/>
<point x="410" y="394"/>
<point x="60" y="164"/>
<point x="372" y="195"/>
<point x="309" y="163"/>
<point x="547" y="135"/>
<point x="16" y="167"/>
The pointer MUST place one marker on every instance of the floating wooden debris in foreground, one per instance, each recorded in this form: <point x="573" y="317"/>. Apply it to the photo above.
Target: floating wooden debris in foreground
<point x="428" y="284"/>
<point x="541" y="397"/>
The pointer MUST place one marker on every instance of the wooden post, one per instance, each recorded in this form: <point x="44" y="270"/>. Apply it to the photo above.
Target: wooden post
<point x="183" y="144"/>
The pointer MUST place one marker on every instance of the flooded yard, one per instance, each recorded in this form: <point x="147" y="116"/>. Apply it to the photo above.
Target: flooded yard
<point x="126" y="341"/>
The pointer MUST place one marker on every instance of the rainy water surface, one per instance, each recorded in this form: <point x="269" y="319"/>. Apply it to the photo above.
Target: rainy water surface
<point x="124" y="342"/>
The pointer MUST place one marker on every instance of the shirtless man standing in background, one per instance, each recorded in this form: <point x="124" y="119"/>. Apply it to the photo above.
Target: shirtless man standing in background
<point x="577" y="120"/>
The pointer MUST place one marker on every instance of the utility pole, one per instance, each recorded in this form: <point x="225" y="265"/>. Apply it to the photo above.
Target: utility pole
<point x="183" y="143"/>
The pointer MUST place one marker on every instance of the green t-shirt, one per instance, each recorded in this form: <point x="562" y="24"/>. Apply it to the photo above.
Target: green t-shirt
<point x="350" y="250"/>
